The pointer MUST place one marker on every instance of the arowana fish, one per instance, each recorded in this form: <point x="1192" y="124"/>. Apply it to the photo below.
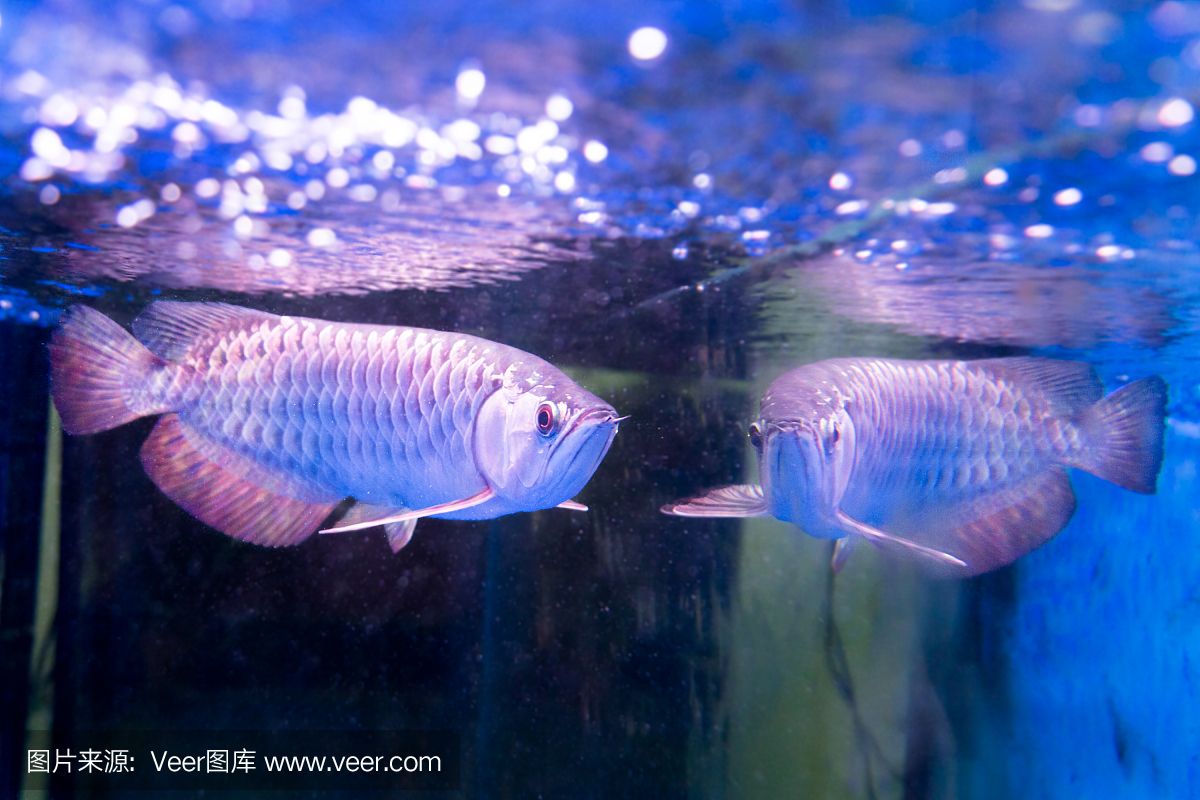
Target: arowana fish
<point x="270" y="422"/>
<point x="960" y="463"/>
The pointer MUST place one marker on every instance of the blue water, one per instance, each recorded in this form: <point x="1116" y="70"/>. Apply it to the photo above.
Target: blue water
<point x="783" y="183"/>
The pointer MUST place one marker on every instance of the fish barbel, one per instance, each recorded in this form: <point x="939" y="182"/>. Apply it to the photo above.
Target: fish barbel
<point x="271" y="422"/>
<point x="960" y="463"/>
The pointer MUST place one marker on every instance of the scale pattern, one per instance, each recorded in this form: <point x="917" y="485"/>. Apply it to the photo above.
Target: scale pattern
<point x="943" y="431"/>
<point x="952" y="428"/>
<point x="384" y="414"/>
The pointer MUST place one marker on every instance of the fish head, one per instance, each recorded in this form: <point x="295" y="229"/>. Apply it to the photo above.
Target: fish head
<point x="537" y="445"/>
<point x="805" y="462"/>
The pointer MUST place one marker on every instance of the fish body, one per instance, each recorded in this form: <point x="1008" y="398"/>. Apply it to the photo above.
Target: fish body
<point x="270" y="422"/>
<point x="959" y="462"/>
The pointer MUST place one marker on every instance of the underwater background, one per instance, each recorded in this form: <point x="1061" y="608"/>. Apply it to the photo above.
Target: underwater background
<point x="675" y="202"/>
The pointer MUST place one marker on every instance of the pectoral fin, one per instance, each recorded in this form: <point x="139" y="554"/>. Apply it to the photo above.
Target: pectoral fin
<point x="405" y="516"/>
<point x="879" y="537"/>
<point x="571" y="505"/>
<point x="744" y="500"/>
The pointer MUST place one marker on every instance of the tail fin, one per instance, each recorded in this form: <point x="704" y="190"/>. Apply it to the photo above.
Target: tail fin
<point x="95" y="367"/>
<point x="1124" y="432"/>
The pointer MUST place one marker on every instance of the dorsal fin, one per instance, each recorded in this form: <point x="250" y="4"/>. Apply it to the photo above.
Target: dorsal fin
<point x="170" y="328"/>
<point x="1070" y="385"/>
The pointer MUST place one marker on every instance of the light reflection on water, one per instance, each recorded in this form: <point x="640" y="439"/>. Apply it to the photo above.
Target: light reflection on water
<point x="469" y="169"/>
<point x="426" y="242"/>
<point x="989" y="302"/>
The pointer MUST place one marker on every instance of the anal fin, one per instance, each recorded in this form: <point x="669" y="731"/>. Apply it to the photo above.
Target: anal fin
<point x="226" y="490"/>
<point x="997" y="527"/>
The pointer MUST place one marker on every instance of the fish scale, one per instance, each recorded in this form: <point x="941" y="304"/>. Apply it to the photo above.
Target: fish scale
<point x="426" y="431"/>
<point x="963" y="442"/>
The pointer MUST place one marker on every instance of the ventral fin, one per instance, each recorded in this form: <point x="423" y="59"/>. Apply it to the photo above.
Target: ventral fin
<point x="405" y="515"/>
<point x="398" y="533"/>
<point x="745" y="500"/>
<point x="170" y="329"/>
<point x="879" y="537"/>
<point x="571" y="505"/>
<point x="1069" y="385"/>
<point x="996" y="528"/>
<point x="217" y="486"/>
<point x="842" y="549"/>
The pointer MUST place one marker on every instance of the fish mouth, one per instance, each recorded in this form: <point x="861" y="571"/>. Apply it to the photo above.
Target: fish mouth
<point x="791" y="465"/>
<point x="780" y="450"/>
<point x="590" y="437"/>
<point x="601" y="415"/>
<point x="599" y="419"/>
<point x="587" y="445"/>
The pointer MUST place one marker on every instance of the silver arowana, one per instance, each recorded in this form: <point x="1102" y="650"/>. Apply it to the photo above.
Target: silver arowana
<point x="269" y="423"/>
<point x="958" y="463"/>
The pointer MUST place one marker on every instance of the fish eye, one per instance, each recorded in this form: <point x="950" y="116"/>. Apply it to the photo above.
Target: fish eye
<point x="756" y="436"/>
<point x="545" y="419"/>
